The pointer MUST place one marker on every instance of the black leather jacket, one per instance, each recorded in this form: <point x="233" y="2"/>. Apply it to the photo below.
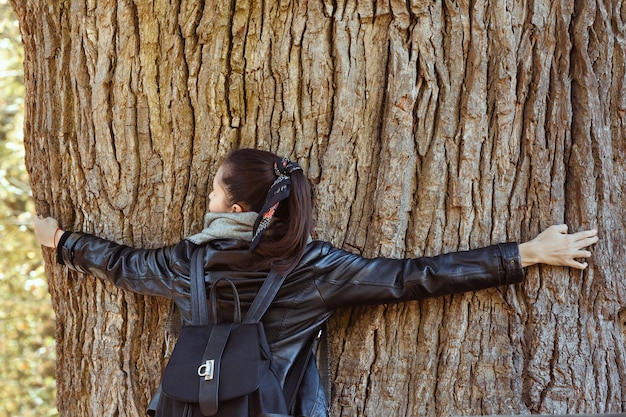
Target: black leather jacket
<point x="327" y="278"/>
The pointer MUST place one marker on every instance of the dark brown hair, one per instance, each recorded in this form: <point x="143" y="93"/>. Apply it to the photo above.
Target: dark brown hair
<point x="247" y="175"/>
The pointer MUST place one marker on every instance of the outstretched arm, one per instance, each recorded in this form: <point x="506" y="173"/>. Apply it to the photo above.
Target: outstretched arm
<point x="144" y="271"/>
<point x="554" y="246"/>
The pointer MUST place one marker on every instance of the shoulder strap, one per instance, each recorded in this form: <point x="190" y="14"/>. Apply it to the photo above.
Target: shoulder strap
<point x="199" y="304"/>
<point x="264" y="297"/>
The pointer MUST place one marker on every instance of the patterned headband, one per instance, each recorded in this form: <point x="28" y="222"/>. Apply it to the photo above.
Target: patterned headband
<point x="278" y="192"/>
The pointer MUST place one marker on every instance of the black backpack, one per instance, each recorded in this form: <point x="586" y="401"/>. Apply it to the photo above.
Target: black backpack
<point x="222" y="369"/>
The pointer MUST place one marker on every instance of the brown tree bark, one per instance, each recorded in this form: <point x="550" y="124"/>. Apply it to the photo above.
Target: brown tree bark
<point x="425" y="127"/>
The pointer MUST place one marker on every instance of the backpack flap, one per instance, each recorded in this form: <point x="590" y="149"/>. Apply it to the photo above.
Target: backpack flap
<point x="242" y="362"/>
<point x="235" y="370"/>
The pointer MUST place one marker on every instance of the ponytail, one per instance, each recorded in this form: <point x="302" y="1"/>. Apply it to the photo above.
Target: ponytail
<point x="276" y="188"/>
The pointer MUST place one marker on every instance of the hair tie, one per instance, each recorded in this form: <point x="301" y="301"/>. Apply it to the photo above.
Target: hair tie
<point x="279" y="191"/>
<point x="285" y="166"/>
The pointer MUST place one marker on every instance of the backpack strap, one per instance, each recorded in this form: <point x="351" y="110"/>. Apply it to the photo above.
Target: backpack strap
<point x="324" y="365"/>
<point x="209" y="390"/>
<point x="199" y="305"/>
<point x="264" y="297"/>
<point x="299" y="369"/>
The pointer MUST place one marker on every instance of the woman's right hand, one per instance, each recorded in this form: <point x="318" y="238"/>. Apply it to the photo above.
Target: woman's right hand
<point x="554" y="246"/>
<point x="47" y="230"/>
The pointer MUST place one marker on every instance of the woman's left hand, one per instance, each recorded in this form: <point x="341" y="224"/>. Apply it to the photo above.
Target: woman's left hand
<point x="47" y="230"/>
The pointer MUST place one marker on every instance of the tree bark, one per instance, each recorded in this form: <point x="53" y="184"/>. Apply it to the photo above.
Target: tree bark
<point x="425" y="127"/>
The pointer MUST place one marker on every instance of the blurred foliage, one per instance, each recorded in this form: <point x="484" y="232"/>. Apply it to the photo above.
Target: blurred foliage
<point x="27" y="350"/>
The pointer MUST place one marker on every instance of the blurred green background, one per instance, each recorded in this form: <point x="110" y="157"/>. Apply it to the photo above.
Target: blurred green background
<point x="27" y="352"/>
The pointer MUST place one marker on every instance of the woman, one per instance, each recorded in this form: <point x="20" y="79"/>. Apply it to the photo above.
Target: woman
<point x="260" y="219"/>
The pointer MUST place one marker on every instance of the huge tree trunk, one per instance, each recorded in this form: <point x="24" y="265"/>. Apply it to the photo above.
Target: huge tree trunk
<point x="425" y="127"/>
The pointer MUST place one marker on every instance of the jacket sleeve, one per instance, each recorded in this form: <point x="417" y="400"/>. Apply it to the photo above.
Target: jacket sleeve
<point x="345" y="279"/>
<point x="144" y="271"/>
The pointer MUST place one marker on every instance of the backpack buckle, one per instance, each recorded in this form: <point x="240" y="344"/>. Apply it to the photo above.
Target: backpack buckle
<point x="206" y="370"/>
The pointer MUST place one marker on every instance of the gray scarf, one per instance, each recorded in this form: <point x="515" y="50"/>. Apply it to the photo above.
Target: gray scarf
<point x="226" y="226"/>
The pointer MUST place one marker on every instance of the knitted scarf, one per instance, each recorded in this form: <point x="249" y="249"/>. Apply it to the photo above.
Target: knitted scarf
<point x="226" y="226"/>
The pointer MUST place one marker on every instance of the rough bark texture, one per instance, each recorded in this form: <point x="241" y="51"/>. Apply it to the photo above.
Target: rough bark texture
<point x="424" y="126"/>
